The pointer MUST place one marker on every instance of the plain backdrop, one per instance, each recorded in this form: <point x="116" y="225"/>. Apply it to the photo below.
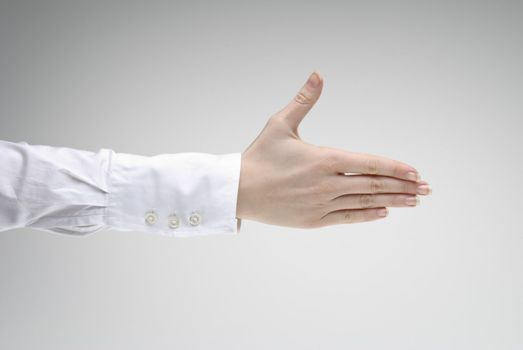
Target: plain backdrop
<point x="436" y="84"/>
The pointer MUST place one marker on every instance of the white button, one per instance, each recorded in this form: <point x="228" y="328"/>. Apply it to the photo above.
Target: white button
<point x="195" y="219"/>
<point x="150" y="217"/>
<point x="174" y="222"/>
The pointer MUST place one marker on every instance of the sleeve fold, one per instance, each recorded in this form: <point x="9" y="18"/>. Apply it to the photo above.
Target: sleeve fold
<point x="71" y="191"/>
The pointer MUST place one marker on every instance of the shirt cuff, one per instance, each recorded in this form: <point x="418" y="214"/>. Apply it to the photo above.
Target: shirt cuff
<point x="182" y="194"/>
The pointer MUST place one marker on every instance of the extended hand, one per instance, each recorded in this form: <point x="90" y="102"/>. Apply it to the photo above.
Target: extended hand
<point x="288" y="182"/>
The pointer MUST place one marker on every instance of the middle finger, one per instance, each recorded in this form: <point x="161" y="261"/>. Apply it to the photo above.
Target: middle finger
<point x="351" y="184"/>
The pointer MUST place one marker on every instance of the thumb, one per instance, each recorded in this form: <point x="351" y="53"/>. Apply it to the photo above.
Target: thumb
<point x="302" y="103"/>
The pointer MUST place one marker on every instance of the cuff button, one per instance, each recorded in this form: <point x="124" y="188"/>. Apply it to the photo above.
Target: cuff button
<point x="174" y="222"/>
<point x="195" y="219"/>
<point x="151" y="218"/>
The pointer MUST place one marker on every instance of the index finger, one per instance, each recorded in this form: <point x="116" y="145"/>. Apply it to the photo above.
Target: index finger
<point x="365" y="163"/>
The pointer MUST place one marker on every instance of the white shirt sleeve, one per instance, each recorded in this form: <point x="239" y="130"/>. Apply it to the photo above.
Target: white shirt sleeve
<point x="71" y="191"/>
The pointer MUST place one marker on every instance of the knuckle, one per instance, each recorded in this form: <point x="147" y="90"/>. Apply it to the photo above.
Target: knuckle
<point x="303" y="98"/>
<point x="397" y="200"/>
<point x="376" y="185"/>
<point x="311" y="223"/>
<point x="320" y="206"/>
<point x="323" y="188"/>
<point x="372" y="165"/>
<point x="314" y="224"/>
<point x="348" y="216"/>
<point x="396" y="168"/>
<point x="328" y="161"/>
<point x="366" y="200"/>
<point x="405" y="187"/>
<point x="275" y="119"/>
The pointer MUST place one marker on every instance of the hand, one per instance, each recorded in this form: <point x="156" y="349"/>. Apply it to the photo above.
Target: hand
<point x="288" y="182"/>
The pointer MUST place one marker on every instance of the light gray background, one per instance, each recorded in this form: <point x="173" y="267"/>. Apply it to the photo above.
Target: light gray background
<point x="435" y="84"/>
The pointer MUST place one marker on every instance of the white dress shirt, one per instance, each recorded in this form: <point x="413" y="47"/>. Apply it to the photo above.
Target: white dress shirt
<point x="71" y="191"/>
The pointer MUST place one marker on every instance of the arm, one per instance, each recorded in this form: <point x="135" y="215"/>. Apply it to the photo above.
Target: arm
<point x="279" y="179"/>
<point x="72" y="191"/>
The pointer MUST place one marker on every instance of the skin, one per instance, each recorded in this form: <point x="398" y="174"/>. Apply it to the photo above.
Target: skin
<point x="286" y="181"/>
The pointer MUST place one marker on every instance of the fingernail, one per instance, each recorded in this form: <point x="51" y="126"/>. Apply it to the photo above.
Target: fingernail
<point x="314" y="79"/>
<point x="411" y="175"/>
<point x="414" y="200"/>
<point x="424" y="189"/>
<point x="383" y="212"/>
